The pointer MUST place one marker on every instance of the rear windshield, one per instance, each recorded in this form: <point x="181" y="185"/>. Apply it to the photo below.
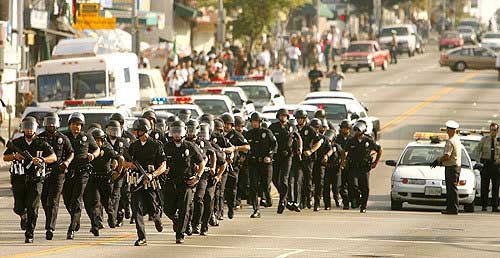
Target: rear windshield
<point x="400" y="31"/>
<point x="359" y="48"/>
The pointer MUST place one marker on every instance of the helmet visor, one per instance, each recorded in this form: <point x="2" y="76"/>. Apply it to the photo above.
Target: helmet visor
<point x="51" y="121"/>
<point x="192" y="130"/>
<point x="114" y="131"/>
<point x="177" y="131"/>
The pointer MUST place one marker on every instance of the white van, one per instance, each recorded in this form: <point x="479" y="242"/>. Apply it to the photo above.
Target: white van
<point x="151" y="85"/>
<point x="406" y="35"/>
<point x="80" y="69"/>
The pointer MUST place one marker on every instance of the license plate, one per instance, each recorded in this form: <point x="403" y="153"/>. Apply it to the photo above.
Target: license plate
<point x="433" y="191"/>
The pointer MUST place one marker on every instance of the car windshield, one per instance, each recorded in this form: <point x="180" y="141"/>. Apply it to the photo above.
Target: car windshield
<point x="425" y="155"/>
<point x="359" y="48"/>
<point x="451" y="35"/>
<point x="54" y="87"/>
<point x="144" y="82"/>
<point x="492" y="36"/>
<point x="400" y="31"/>
<point x="257" y="92"/>
<point x="212" y="106"/>
<point x="235" y="97"/>
<point x="90" y="118"/>
<point x="465" y="30"/>
<point x="473" y="24"/>
<point x="472" y="148"/>
<point x="89" y="85"/>
<point x="335" y="112"/>
<point x="177" y="111"/>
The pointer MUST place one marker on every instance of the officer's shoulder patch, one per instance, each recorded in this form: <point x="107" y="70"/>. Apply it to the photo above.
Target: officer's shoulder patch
<point x="290" y="128"/>
<point x="306" y="132"/>
<point x="186" y="152"/>
<point x="214" y="140"/>
<point x="334" y="148"/>
<point x="264" y="135"/>
<point x="84" y="138"/>
<point x="157" y="136"/>
<point x="120" y="144"/>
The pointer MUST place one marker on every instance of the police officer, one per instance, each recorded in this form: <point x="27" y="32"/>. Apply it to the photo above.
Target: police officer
<point x="150" y="115"/>
<point x="489" y="148"/>
<point x="320" y="162"/>
<point x="451" y="160"/>
<point x="311" y="143"/>
<point x="321" y="115"/>
<point x="149" y="154"/>
<point x="205" y="189"/>
<point x="242" y="164"/>
<point x="226" y="146"/>
<point x="186" y="166"/>
<point x="360" y="162"/>
<point x="27" y="175"/>
<point x="285" y="134"/>
<point x="161" y="125"/>
<point x="240" y="145"/>
<point x="86" y="150"/>
<point x="114" y="138"/>
<point x="53" y="184"/>
<point x="126" y="135"/>
<point x="184" y="115"/>
<point x="262" y="148"/>
<point x="332" y="171"/>
<point x="99" y="187"/>
<point x="346" y="185"/>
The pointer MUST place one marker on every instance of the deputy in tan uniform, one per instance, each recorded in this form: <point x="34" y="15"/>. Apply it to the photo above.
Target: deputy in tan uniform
<point x="451" y="160"/>
<point x="489" y="148"/>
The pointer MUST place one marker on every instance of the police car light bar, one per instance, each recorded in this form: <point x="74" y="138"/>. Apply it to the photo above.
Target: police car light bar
<point x="88" y="103"/>
<point x="429" y="135"/>
<point x="464" y="131"/>
<point x="158" y="101"/>
<point x="217" y="83"/>
<point x="248" y="78"/>
<point x="186" y="92"/>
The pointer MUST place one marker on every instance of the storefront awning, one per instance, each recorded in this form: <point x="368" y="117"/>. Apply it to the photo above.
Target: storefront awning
<point x="185" y="11"/>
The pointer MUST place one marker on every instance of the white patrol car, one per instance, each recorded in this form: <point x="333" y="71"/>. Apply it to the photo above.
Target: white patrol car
<point x="175" y="104"/>
<point x="236" y="94"/>
<point x="261" y="90"/>
<point x="415" y="182"/>
<point x="269" y="112"/>
<point x="339" y="109"/>
<point x="334" y="95"/>
<point x="95" y="111"/>
<point x="214" y="104"/>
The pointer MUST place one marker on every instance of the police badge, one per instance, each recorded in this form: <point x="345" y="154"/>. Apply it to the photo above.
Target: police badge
<point x="306" y="132"/>
<point x="157" y="136"/>
<point x="84" y="138"/>
<point x="202" y="144"/>
<point x="263" y="135"/>
<point x="59" y="141"/>
<point x="186" y="152"/>
<point x="367" y="144"/>
<point x="120" y="144"/>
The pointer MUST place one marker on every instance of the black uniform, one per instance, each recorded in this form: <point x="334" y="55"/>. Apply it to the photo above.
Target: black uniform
<point x="319" y="170"/>
<point x="305" y="166"/>
<point x="159" y="136"/>
<point x="178" y="195"/>
<point x="359" y="163"/>
<point x="346" y="189"/>
<point x="53" y="184"/>
<point x="236" y="139"/>
<point x="119" y="145"/>
<point x="98" y="192"/>
<point x="262" y="145"/>
<point x="77" y="176"/>
<point x="124" y="205"/>
<point x="222" y="142"/>
<point x="27" y="181"/>
<point x="332" y="175"/>
<point x="285" y="135"/>
<point x="145" y="201"/>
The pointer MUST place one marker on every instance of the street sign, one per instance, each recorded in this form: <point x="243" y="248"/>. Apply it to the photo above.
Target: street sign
<point x="94" y="23"/>
<point x="89" y="10"/>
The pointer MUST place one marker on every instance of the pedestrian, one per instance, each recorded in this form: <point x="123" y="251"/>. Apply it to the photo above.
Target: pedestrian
<point x="262" y="149"/>
<point x="359" y="158"/>
<point x="451" y="160"/>
<point x="240" y="145"/>
<point x="394" y="48"/>
<point x="27" y="176"/>
<point x="86" y="150"/>
<point x="28" y="100"/>
<point x="315" y="76"/>
<point x="336" y="79"/>
<point x="293" y="53"/>
<point x="490" y="157"/>
<point x="344" y="42"/>
<point x="53" y="183"/>
<point x="326" y="52"/>
<point x="187" y="164"/>
<point x="149" y="155"/>
<point x="347" y="181"/>
<point x="264" y="58"/>
<point x="333" y="170"/>
<point x="278" y="77"/>
<point x="335" y="43"/>
<point x="285" y="133"/>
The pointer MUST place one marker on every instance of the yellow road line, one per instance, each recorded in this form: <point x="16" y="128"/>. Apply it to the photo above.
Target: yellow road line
<point x="61" y="249"/>
<point x="442" y="92"/>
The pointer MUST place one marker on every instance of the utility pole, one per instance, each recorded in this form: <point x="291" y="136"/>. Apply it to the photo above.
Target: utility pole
<point x="136" y="43"/>
<point x="220" y="24"/>
<point x="443" y="26"/>
<point x="20" y="32"/>
<point x="317" y="6"/>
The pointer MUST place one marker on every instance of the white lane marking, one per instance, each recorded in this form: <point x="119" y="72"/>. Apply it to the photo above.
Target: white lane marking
<point x="290" y="253"/>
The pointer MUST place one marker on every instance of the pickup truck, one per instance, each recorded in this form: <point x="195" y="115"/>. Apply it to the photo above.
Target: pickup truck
<point x="364" y="54"/>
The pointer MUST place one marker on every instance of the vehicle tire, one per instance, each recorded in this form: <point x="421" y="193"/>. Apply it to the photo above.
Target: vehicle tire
<point x="409" y="53"/>
<point x="384" y="65"/>
<point x="440" y="48"/>
<point x="469" y="207"/>
<point x="357" y="70"/>
<point x="396" y="206"/>
<point x="344" y="69"/>
<point x="372" y="66"/>
<point x="460" y="66"/>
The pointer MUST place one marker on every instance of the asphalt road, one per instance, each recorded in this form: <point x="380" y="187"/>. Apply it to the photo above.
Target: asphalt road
<point x="415" y="95"/>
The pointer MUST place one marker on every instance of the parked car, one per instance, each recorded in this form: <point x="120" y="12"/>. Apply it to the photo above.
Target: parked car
<point x="476" y="25"/>
<point x="491" y="40"/>
<point x="364" y="54"/>
<point x="405" y="34"/>
<point x="450" y="39"/>
<point x="468" y="34"/>
<point x="469" y="57"/>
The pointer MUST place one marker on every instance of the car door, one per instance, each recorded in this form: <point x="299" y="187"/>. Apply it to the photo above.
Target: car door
<point x="467" y="56"/>
<point x="377" y="57"/>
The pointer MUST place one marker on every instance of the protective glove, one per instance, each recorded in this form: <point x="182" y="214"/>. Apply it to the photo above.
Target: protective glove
<point x="435" y="163"/>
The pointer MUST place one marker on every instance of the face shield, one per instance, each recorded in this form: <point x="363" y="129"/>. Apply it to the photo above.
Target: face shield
<point x="51" y="122"/>
<point x="192" y="131"/>
<point x="204" y="132"/>
<point x="114" y="131"/>
<point x="177" y="132"/>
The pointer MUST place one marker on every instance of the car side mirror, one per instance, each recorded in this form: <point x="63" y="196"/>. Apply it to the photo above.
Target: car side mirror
<point x="277" y="96"/>
<point x="390" y="163"/>
<point x="354" y="116"/>
<point x="249" y="102"/>
<point x="235" y="111"/>
<point x="478" y="166"/>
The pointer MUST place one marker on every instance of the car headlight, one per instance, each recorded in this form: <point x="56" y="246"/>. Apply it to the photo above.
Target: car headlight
<point x="413" y="181"/>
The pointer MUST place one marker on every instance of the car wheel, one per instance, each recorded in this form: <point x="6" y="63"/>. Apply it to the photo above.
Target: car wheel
<point x="469" y="207"/>
<point x="372" y="66"/>
<point x="344" y="69"/>
<point x="460" y="66"/>
<point x="409" y="53"/>
<point x="395" y="205"/>
<point x="384" y="65"/>
<point x="357" y="70"/>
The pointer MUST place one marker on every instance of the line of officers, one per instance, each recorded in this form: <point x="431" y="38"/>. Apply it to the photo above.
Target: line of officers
<point x="186" y="169"/>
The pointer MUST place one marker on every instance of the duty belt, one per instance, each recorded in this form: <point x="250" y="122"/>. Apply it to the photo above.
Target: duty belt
<point x="135" y="179"/>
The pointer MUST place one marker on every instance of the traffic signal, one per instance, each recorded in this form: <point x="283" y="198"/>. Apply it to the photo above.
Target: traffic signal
<point x="343" y="17"/>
